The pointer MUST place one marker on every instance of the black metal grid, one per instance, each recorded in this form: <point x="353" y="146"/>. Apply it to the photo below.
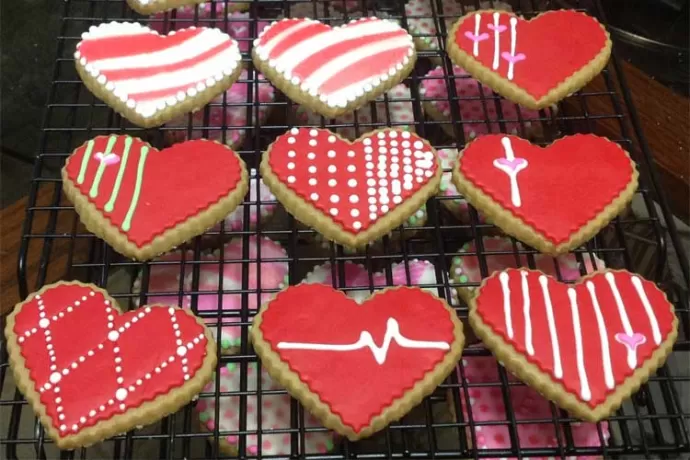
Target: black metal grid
<point x="73" y="116"/>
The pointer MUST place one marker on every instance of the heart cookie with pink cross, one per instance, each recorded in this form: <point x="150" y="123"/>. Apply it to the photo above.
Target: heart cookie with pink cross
<point x="587" y="346"/>
<point x="351" y="192"/>
<point x="90" y="371"/>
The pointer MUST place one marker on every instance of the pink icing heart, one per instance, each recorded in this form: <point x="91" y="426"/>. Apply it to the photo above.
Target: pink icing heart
<point x="513" y="59"/>
<point x="631" y="341"/>
<point x="500" y="28"/>
<point x="514" y="164"/>
<point x="109" y="159"/>
<point x="477" y="38"/>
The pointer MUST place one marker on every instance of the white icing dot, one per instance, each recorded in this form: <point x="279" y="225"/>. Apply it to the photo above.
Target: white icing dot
<point x="368" y="157"/>
<point x="368" y="150"/>
<point x="356" y="225"/>
<point x="352" y="182"/>
<point x="311" y="155"/>
<point x="291" y="179"/>
<point x="381" y="174"/>
<point x="334" y="212"/>
<point x="55" y="377"/>
<point x="354" y="213"/>
<point x="312" y="181"/>
<point x="393" y="134"/>
<point x="113" y="336"/>
<point x="383" y="150"/>
<point x="312" y="142"/>
<point x="75" y="427"/>
<point x="370" y="165"/>
<point x="291" y="140"/>
<point x="314" y="196"/>
<point x="371" y="191"/>
<point x="370" y="173"/>
<point x="294" y="131"/>
<point x="397" y="199"/>
<point x="367" y="141"/>
<point x="383" y="182"/>
<point x="418" y="145"/>
<point x="312" y="169"/>
<point x="331" y="154"/>
<point x="384" y="208"/>
<point x="351" y="153"/>
<point x="332" y="182"/>
<point x="373" y="216"/>
<point x="335" y="198"/>
<point x="332" y="169"/>
<point x="371" y="182"/>
<point x="291" y="165"/>
<point x="44" y="323"/>
<point x="381" y="135"/>
<point x="313" y="133"/>
<point x="407" y="185"/>
<point x="372" y="200"/>
<point x="331" y="139"/>
<point x="181" y="351"/>
<point x="351" y="168"/>
<point x="292" y="154"/>
<point x="354" y="199"/>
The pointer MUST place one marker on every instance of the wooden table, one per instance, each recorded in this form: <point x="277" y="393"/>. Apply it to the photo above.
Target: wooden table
<point x="663" y="115"/>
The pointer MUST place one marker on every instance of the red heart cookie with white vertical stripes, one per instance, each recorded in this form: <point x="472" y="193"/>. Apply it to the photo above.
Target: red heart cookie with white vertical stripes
<point x="334" y="70"/>
<point x="91" y="372"/>
<point x="351" y="192"/>
<point x="152" y="78"/>
<point x="587" y="346"/>
<point x="144" y="201"/>
<point x="533" y="62"/>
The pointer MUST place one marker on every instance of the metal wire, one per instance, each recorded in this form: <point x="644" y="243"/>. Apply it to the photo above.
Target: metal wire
<point x="652" y="424"/>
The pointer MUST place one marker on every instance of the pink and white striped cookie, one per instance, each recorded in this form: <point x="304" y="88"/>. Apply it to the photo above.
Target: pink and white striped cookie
<point x="486" y="405"/>
<point x="465" y="267"/>
<point x="151" y="78"/>
<point x="275" y="415"/>
<point x="231" y="110"/>
<point x="476" y="120"/>
<point x="334" y="70"/>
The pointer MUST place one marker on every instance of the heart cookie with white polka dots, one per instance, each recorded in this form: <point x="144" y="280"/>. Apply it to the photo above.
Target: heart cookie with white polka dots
<point x="91" y="372"/>
<point x="351" y="192"/>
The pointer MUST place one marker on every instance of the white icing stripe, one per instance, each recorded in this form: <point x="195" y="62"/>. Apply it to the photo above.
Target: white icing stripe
<point x="637" y="283"/>
<point x="513" y="44"/>
<point x="477" y="23"/>
<point x="632" y="351"/>
<point x="585" y="392"/>
<point x="265" y="49"/>
<point x="603" y="336"/>
<point x="343" y="62"/>
<point x="525" y="311"/>
<point x="182" y="77"/>
<point x="504" y="277"/>
<point x="115" y="29"/>
<point x="301" y="51"/>
<point x="188" y="49"/>
<point x="367" y="341"/>
<point x="557" y="367"/>
<point x="497" y="46"/>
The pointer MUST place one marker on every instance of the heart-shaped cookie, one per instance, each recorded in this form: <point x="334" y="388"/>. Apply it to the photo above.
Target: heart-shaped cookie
<point x="151" y="78"/>
<point x="501" y="50"/>
<point x="144" y="201"/>
<point x="334" y="70"/>
<point x="351" y="192"/>
<point x="91" y="372"/>
<point x="527" y="190"/>
<point x="357" y="367"/>
<point x="587" y="346"/>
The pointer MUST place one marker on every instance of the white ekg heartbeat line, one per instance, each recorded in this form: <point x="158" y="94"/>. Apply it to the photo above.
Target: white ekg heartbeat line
<point x="366" y="340"/>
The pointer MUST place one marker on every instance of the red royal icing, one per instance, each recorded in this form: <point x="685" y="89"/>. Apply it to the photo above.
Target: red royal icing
<point x="547" y="179"/>
<point x="626" y="335"/>
<point x="352" y="383"/>
<point x="564" y="42"/>
<point x="152" y="72"/>
<point x="87" y="360"/>
<point x="174" y="184"/>
<point x="354" y="184"/>
<point x="336" y="64"/>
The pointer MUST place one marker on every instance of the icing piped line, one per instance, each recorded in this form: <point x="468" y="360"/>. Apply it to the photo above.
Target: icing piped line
<point x="497" y="34"/>
<point x="603" y="336"/>
<point x="511" y="166"/>
<point x="639" y="288"/>
<point x="557" y="366"/>
<point x="585" y="392"/>
<point x="367" y="341"/>
<point x="632" y="354"/>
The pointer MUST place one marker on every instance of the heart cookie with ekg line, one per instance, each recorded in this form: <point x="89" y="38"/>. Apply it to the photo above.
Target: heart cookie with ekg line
<point x="351" y="192"/>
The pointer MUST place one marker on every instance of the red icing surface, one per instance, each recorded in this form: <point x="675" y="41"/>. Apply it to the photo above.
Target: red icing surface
<point x="352" y="383"/>
<point x="178" y="183"/>
<point x="376" y="163"/>
<point x="580" y="162"/>
<point x="555" y="44"/>
<point x="89" y="363"/>
<point x="490" y="309"/>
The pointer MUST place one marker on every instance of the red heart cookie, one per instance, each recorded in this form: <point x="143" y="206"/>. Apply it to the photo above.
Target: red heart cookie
<point x="91" y="372"/>
<point x="501" y="50"/>
<point x="351" y="192"/>
<point x="145" y="201"/>
<point x="586" y="346"/>
<point x="528" y="191"/>
<point x="152" y="78"/>
<point x="357" y="367"/>
<point x="334" y="70"/>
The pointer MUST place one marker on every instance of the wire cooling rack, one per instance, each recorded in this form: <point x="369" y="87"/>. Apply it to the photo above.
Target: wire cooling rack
<point x="653" y="424"/>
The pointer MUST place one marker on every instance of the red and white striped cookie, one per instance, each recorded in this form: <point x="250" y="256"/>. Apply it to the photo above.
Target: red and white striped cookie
<point x="151" y="78"/>
<point x="334" y="70"/>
